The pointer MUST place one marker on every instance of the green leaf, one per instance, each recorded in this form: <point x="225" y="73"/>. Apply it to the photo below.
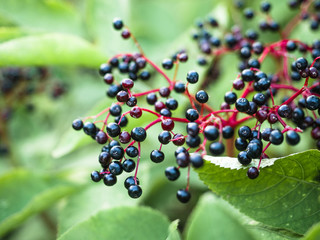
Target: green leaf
<point x="285" y="195"/>
<point x="23" y="193"/>
<point x="50" y="49"/>
<point x="211" y="219"/>
<point x="173" y="231"/>
<point x="313" y="233"/>
<point x="122" y="223"/>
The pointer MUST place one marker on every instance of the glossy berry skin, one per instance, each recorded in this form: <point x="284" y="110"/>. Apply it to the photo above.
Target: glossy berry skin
<point x="125" y="34"/>
<point x="193" y="129"/>
<point x="104" y="159"/>
<point x="243" y="158"/>
<point x="265" y="134"/>
<point x="192" y="77"/>
<point x="216" y="148"/>
<point x="242" y="105"/>
<point x="167" y="124"/>
<point x="157" y="156"/>
<point x="292" y="138"/>
<point x="165" y="112"/>
<point x="240" y="144"/>
<point x="117" y="23"/>
<point x="132" y="101"/>
<point x="265" y="6"/>
<point x="138" y="134"/>
<point x="167" y="63"/>
<point x="164" y="137"/>
<point x="172" y="103"/>
<point x="259" y="98"/>
<point x="109" y="179"/>
<point x="89" y="128"/>
<point x="244" y="132"/>
<point x="134" y="191"/>
<point x="202" y="96"/>
<point x="312" y="102"/>
<point x="183" y="195"/>
<point x="254" y="150"/>
<point x="192" y="114"/>
<point x="101" y="137"/>
<point x="183" y="159"/>
<point x="115" y="110"/>
<point x="124" y="137"/>
<point x="95" y="176"/>
<point x="122" y="96"/>
<point x="152" y="98"/>
<point x="132" y="151"/>
<point x="180" y="139"/>
<point x="211" y="132"/>
<point x="179" y="87"/>
<point x="247" y="75"/>
<point x="77" y="124"/>
<point x="113" y="129"/>
<point x="128" y="165"/>
<point x="301" y="63"/>
<point x="193" y="142"/>
<point x="252" y="173"/>
<point x="104" y="69"/>
<point x="285" y="111"/>
<point x="136" y="112"/>
<point x="230" y="97"/>
<point x="227" y="132"/>
<point x="172" y="173"/>
<point x="276" y="137"/>
<point x="130" y="181"/>
<point x="196" y="160"/>
<point x="117" y="152"/>
<point x="115" y="167"/>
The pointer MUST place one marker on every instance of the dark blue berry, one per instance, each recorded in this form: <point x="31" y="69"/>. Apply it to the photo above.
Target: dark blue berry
<point x="138" y="134"/>
<point x="117" y="23"/>
<point x="243" y="158"/>
<point x="77" y="124"/>
<point x="172" y="173"/>
<point x="252" y="173"/>
<point x="132" y="151"/>
<point x="95" y="176"/>
<point x="192" y="114"/>
<point x="157" y="156"/>
<point x="276" y="137"/>
<point x="130" y="181"/>
<point x="240" y="144"/>
<point x="183" y="195"/>
<point x="196" y="160"/>
<point x="192" y="77"/>
<point x="89" y="128"/>
<point x="134" y="191"/>
<point x="115" y="167"/>
<point x="117" y="152"/>
<point x="216" y="148"/>
<point x="128" y="165"/>
<point x="211" y="133"/>
<point x="202" y="96"/>
<point x="109" y="179"/>
<point x="242" y="105"/>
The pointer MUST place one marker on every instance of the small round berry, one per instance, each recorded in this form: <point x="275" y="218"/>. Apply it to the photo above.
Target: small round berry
<point x="242" y="105"/>
<point x="138" y="134"/>
<point x="260" y="99"/>
<point x="104" y="69"/>
<point x="101" y="137"/>
<point x="164" y="91"/>
<point x="265" y="134"/>
<point x="123" y="67"/>
<point x="292" y="138"/>
<point x="122" y="96"/>
<point x="115" y="167"/>
<point x="151" y="98"/>
<point x="193" y="142"/>
<point x="165" y="112"/>
<point x="257" y="47"/>
<point x="134" y="191"/>
<point x="240" y="144"/>
<point x="313" y="72"/>
<point x="243" y="158"/>
<point x="113" y="129"/>
<point x="230" y="97"/>
<point x="90" y="128"/>
<point x="123" y="121"/>
<point x="179" y="150"/>
<point x="114" y="62"/>
<point x="127" y="83"/>
<point x="172" y="173"/>
<point x="132" y="101"/>
<point x="312" y="102"/>
<point x="284" y="111"/>
<point x="192" y="114"/>
<point x="238" y="84"/>
<point x="130" y="181"/>
<point x="95" y="176"/>
<point x="248" y="13"/>
<point x="254" y="150"/>
<point x="265" y="6"/>
<point x="167" y="124"/>
<point x="108" y="78"/>
<point x="276" y="137"/>
<point x="136" y="112"/>
<point x="178" y="139"/>
<point x="272" y="118"/>
<point x="211" y="133"/>
<point x="202" y="96"/>
<point x="172" y="103"/>
<point x="291" y="46"/>
<point x="247" y="75"/>
<point x="128" y="165"/>
<point x="183" y="195"/>
<point x="253" y="172"/>
<point x="109" y="179"/>
<point x="183" y="159"/>
<point x="167" y="63"/>
<point x="117" y="153"/>
<point x="113" y="90"/>
<point x="164" y="137"/>
<point x="104" y="159"/>
<point x="117" y="23"/>
<point x="159" y="106"/>
<point x="244" y="132"/>
<point x="145" y="75"/>
<point x="192" y="77"/>
<point x="179" y="87"/>
<point x="192" y="129"/>
<point x="227" y="132"/>
<point x="132" y="151"/>
<point x="196" y="160"/>
<point x="115" y="110"/>
<point x="183" y="57"/>
<point x="216" y="148"/>
<point x="124" y="137"/>
<point x="157" y="156"/>
<point x="301" y="63"/>
<point x="261" y="115"/>
<point x="125" y="34"/>
<point x="77" y="124"/>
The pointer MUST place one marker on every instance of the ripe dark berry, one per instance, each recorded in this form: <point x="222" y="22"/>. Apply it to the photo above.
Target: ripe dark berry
<point x="230" y="97"/>
<point x="123" y="122"/>
<point x="77" y="124"/>
<point x="238" y="84"/>
<point x="115" y="110"/>
<point x="123" y="67"/>
<point x="95" y="176"/>
<point x="183" y="57"/>
<point x="285" y="111"/>
<point x="247" y="75"/>
<point x="291" y="46"/>
<point x="128" y="165"/>
<point x="164" y="92"/>
<point x="122" y="96"/>
<point x="252" y="173"/>
<point x="216" y="148"/>
<point x="145" y="75"/>
<point x="265" y="134"/>
<point x="257" y="47"/>
<point x="159" y="106"/>
<point x="265" y="6"/>
<point x="301" y="63"/>
<point x="164" y="137"/>
<point x="178" y="139"/>
<point x="165" y="112"/>
<point x="259" y="98"/>
<point x="183" y="195"/>
<point x="245" y="53"/>
<point x="312" y="102"/>
<point x="192" y="129"/>
<point x="134" y="191"/>
<point x="151" y="98"/>
<point x="244" y="132"/>
<point x="172" y="103"/>
<point x="117" y="23"/>
<point x="138" y="134"/>
<point x="243" y="158"/>
<point x="183" y="159"/>
<point x="104" y="159"/>
<point x="167" y="63"/>
<point x="202" y="96"/>
<point x="167" y="124"/>
<point x="136" y="112"/>
<point x="192" y="77"/>
<point x="101" y="137"/>
<point x="130" y="181"/>
<point x="193" y="142"/>
<point x="172" y="173"/>
<point x="240" y="144"/>
<point x="211" y="132"/>
<point x="132" y="101"/>
<point x="192" y="114"/>
<point x="254" y="150"/>
<point x="157" y="156"/>
<point x="248" y="13"/>
<point x="127" y="83"/>
<point x="117" y="153"/>
<point x="109" y="179"/>
<point x="113" y="129"/>
<point x="179" y="87"/>
<point x="313" y="72"/>
<point x="113" y="90"/>
<point x="196" y="160"/>
<point x="104" y="69"/>
<point x="115" y="167"/>
<point x="261" y="115"/>
<point x="124" y="137"/>
<point x="132" y="151"/>
<point x="108" y="78"/>
<point x="227" y="132"/>
<point x="276" y="137"/>
<point x="292" y="138"/>
<point x="242" y="105"/>
<point x="125" y="34"/>
<point x="89" y="128"/>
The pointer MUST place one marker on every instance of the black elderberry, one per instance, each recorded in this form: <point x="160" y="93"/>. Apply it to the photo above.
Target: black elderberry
<point x="242" y="105"/>
<point x="113" y="90"/>
<point x="255" y="135"/>
<point x="202" y="96"/>
<point x="211" y="132"/>
<point x="312" y="102"/>
<point x="123" y="122"/>
<point x="117" y="23"/>
<point x="77" y="124"/>
<point x="113" y="129"/>
<point x="192" y="129"/>
<point x="130" y="181"/>
<point x="178" y="139"/>
<point x="172" y="173"/>
<point x="134" y="191"/>
<point x="145" y="75"/>
<point x="95" y="176"/>
<point x="167" y="63"/>
<point x="245" y="53"/>
<point x="265" y="134"/>
<point x="276" y="137"/>
<point x="90" y="128"/>
<point x="253" y="107"/>
<point x="265" y="6"/>
<point x="214" y="41"/>
<point x="132" y="151"/>
<point x="183" y="195"/>
<point x="285" y="111"/>
<point x="244" y="132"/>
<point x="157" y="156"/>
<point x="254" y="63"/>
<point x="117" y="153"/>
<point x="132" y="101"/>
<point x="164" y="137"/>
<point x="196" y="160"/>
<point x="247" y="75"/>
<point x="114" y="62"/>
<point x="291" y="46"/>
<point x="192" y="77"/>
<point x="254" y="150"/>
<point x="313" y="72"/>
<point x="138" y="134"/>
<point x="104" y="69"/>
<point x="101" y="137"/>
<point x="123" y="67"/>
<point x="301" y="63"/>
<point x="192" y="114"/>
<point x="252" y="34"/>
<point x="152" y="98"/>
<point x="193" y="142"/>
<point x="216" y="148"/>
<point x="172" y="103"/>
<point x="136" y="112"/>
<point x="227" y="132"/>
<point x="252" y="173"/>
<point x="104" y="159"/>
<point x="257" y="47"/>
<point x="165" y="112"/>
<point x="115" y="110"/>
<point x="109" y="179"/>
<point x="292" y="138"/>
<point x="263" y="84"/>
<point x="248" y="13"/>
<point x="179" y="150"/>
<point x="164" y="92"/>
<point x="243" y="158"/>
<point x="179" y="87"/>
<point x="230" y="97"/>
<point x="240" y="144"/>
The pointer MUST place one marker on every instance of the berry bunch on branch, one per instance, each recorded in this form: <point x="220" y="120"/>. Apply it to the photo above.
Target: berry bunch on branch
<point x="281" y="105"/>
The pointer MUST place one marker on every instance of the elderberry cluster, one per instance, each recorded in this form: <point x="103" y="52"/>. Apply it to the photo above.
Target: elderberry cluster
<point x="263" y="108"/>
